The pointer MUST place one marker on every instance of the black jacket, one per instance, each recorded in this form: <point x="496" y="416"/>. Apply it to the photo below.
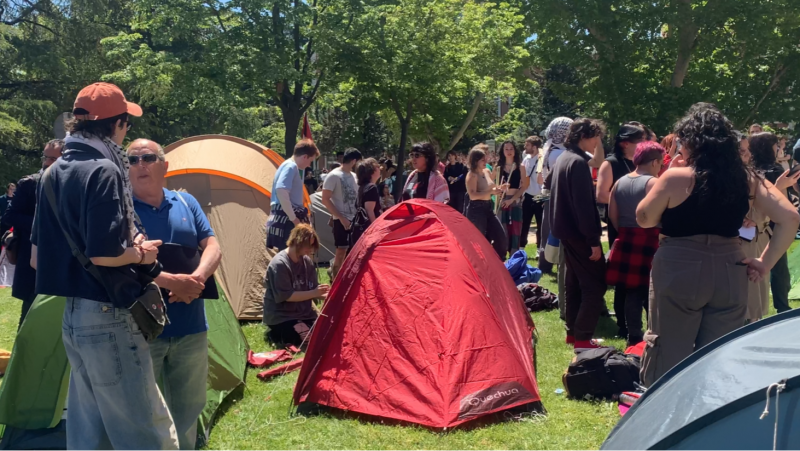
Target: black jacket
<point x="19" y="215"/>
<point x="573" y="207"/>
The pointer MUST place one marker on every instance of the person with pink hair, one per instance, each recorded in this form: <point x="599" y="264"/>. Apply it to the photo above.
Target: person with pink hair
<point x="632" y="253"/>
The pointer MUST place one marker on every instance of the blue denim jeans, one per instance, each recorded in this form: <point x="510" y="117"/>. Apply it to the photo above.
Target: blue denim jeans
<point x="181" y="367"/>
<point x="114" y="402"/>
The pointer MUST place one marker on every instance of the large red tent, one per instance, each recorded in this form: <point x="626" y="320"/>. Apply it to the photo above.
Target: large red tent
<point x="423" y="325"/>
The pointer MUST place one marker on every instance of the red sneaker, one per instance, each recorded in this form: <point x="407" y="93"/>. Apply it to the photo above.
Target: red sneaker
<point x="587" y="344"/>
<point x="570" y="339"/>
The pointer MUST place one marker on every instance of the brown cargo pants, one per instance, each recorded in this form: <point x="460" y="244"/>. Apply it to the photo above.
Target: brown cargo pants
<point x="697" y="294"/>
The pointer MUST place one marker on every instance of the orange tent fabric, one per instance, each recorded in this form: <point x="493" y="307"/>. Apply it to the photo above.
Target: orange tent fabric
<point x="231" y="179"/>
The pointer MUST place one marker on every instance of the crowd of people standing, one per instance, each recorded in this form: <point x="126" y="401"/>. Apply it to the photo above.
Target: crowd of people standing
<point x="675" y="213"/>
<point x="698" y="227"/>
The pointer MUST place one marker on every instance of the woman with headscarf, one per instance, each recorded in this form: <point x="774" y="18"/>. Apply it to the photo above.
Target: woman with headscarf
<point x="555" y="134"/>
<point x="425" y="181"/>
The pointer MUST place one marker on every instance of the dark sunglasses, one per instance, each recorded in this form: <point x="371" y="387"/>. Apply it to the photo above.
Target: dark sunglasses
<point x="148" y="158"/>
<point x="416" y="155"/>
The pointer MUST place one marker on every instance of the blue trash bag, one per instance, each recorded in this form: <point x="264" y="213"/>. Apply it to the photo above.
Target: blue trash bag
<point x="520" y="270"/>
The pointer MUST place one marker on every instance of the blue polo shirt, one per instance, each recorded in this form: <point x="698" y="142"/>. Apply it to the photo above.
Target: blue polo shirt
<point x="185" y="224"/>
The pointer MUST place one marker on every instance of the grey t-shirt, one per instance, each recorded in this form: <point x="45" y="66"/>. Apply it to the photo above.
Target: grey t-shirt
<point x="629" y="193"/>
<point x="344" y="191"/>
<point x="284" y="277"/>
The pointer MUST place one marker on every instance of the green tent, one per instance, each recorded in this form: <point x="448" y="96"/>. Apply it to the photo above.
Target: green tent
<point x="34" y="390"/>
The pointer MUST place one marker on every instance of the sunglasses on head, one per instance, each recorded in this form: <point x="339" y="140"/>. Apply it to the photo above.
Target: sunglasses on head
<point x="148" y="158"/>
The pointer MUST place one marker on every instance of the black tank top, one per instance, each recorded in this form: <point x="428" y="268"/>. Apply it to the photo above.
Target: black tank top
<point x="620" y="167"/>
<point x="712" y="218"/>
<point x="513" y="181"/>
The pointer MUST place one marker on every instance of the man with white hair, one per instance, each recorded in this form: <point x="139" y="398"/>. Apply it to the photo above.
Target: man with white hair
<point x="180" y="353"/>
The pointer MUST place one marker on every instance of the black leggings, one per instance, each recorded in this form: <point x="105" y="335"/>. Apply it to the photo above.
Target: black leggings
<point x="482" y="216"/>
<point x="294" y="332"/>
<point x="530" y="210"/>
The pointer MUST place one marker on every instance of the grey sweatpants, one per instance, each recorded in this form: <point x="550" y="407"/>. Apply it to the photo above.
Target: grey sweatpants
<point x="697" y="294"/>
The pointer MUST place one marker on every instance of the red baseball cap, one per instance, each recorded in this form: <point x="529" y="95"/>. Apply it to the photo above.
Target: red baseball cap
<point x="102" y="101"/>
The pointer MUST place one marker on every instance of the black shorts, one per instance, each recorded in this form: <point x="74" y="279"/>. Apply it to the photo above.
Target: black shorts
<point x="341" y="237"/>
<point x="294" y="332"/>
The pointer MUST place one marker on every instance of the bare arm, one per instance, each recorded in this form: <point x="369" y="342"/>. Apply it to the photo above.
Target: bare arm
<point x="599" y="157"/>
<point x="131" y="256"/>
<point x="33" y="256"/>
<point x="613" y="213"/>
<point x="770" y="201"/>
<point x="326" y="200"/>
<point x="286" y="203"/>
<point x="370" y="207"/>
<point x="209" y="262"/>
<point x="650" y="209"/>
<point x="650" y="184"/>
<point x="605" y="178"/>
<point x="301" y="296"/>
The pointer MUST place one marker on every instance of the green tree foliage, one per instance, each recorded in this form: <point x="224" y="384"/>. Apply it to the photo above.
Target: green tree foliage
<point x="48" y="51"/>
<point x="194" y="63"/>
<point x="421" y="59"/>
<point x="649" y="61"/>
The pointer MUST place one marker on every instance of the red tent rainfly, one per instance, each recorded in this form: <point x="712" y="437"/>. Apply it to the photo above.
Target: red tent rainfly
<point x="423" y="325"/>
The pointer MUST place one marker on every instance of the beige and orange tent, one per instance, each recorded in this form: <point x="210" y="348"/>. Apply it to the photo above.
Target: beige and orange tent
<point x="232" y="180"/>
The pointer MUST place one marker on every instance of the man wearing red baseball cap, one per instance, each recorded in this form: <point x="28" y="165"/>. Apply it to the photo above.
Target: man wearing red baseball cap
<point x="85" y="205"/>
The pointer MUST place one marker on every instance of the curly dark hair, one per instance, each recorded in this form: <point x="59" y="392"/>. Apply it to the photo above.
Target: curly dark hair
<point x="713" y="151"/>
<point x="763" y="157"/>
<point x="502" y="154"/>
<point x="584" y="128"/>
<point x="426" y="149"/>
<point x="365" y="169"/>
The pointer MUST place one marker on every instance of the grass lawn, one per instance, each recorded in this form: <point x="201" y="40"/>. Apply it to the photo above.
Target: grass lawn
<point x="261" y="419"/>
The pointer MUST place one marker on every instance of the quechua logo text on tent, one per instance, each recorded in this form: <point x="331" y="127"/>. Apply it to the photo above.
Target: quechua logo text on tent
<point x="493" y="398"/>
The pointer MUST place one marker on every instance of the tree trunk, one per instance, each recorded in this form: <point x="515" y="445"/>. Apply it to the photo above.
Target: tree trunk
<point x="401" y="157"/>
<point x="291" y="119"/>
<point x="687" y="40"/>
<point x="405" y="121"/>
<point x="467" y="121"/>
<point x="776" y="78"/>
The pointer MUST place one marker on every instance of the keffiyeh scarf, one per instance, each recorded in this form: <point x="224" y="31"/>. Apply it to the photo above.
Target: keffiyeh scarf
<point x="556" y="135"/>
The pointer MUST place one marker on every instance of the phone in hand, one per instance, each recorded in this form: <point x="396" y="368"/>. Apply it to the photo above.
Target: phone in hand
<point x="793" y="170"/>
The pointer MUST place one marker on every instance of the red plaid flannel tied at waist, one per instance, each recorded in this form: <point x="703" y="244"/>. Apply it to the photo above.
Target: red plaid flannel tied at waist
<point x="631" y="257"/>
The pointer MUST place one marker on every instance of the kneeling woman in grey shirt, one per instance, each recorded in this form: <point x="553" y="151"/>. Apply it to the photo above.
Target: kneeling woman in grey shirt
<point x="291" y="286"/>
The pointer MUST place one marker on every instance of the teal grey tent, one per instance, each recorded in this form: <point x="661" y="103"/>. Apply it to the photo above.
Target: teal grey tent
<point x="34" y="390"/>
<point x="715" y="398"/>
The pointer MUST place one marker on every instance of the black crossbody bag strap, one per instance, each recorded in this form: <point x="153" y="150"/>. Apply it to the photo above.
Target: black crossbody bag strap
<point x="148" y="310"/>
<point x="87" y="264"/>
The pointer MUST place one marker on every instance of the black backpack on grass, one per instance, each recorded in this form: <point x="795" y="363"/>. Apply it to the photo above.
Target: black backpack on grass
<point x="601" y="373"/>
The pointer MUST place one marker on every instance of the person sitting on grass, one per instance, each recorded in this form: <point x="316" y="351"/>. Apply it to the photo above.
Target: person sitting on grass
<point x="291" y="286"/>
